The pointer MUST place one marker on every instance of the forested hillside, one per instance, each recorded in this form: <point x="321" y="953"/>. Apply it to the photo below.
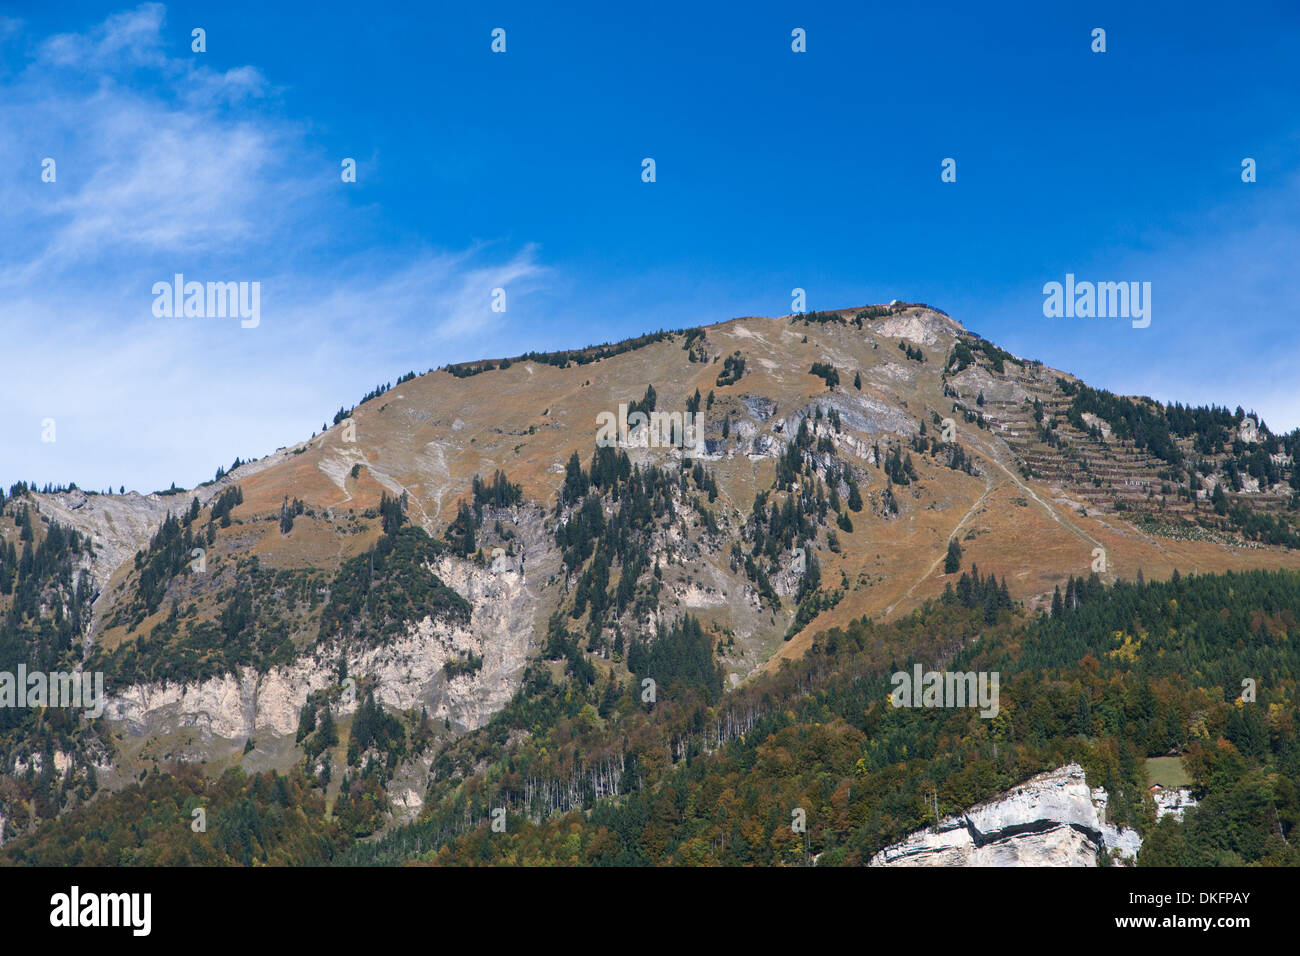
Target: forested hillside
<point x="589" y="772"/>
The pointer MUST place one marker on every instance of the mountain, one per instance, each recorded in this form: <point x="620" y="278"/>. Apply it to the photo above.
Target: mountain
<point x="355" y="606"/>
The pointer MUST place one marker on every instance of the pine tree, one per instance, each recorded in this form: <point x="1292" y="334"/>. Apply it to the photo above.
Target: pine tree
<point x="952" y="563"/>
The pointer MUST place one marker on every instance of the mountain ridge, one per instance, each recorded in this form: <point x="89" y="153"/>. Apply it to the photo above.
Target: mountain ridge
<point x="845" y="453"/>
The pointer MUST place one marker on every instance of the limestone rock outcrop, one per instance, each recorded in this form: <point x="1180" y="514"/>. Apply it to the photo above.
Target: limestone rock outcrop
<point x="1053" y="819"/>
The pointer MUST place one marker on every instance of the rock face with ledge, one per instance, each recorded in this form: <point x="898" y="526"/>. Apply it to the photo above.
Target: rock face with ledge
<point x="1052" y="819"/>
<point x="409" y="671"/>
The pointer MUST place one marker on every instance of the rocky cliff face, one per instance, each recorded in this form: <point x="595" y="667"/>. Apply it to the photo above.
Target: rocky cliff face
<point x="1052" y="819"/>
<point x="408" y="672"/>
<point x="118" y="525"/>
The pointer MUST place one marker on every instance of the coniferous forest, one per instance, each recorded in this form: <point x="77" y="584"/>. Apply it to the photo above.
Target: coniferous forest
<point x="601" y="776"/>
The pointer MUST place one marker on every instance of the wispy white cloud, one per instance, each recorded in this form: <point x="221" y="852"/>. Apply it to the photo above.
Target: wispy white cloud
<point x="131" y="38"/>
<point x="165" y="176"/>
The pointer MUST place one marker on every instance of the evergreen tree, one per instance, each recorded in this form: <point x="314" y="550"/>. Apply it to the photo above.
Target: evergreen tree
<point x="952" y="562"/>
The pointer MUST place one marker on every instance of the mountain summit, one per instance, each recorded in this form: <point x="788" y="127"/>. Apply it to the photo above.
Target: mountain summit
<point x="454" y="531"/>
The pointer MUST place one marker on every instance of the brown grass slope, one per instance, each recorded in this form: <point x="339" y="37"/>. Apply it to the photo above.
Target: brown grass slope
<point x="427" y="438"/>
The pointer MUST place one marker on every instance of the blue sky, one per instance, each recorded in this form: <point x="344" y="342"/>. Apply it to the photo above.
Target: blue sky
<point x="775" y="170"/>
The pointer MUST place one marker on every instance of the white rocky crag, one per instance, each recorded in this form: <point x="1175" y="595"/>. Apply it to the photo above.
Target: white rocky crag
<point x="1172" y="802"/>
<point x="921" y="326"/>
<point x="408" y="671"/>
<point x="1052" y="819"/>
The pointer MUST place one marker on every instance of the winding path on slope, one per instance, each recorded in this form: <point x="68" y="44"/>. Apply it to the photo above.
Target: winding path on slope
<point x="988" y="487"/>
<point x="992" y="452"/>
